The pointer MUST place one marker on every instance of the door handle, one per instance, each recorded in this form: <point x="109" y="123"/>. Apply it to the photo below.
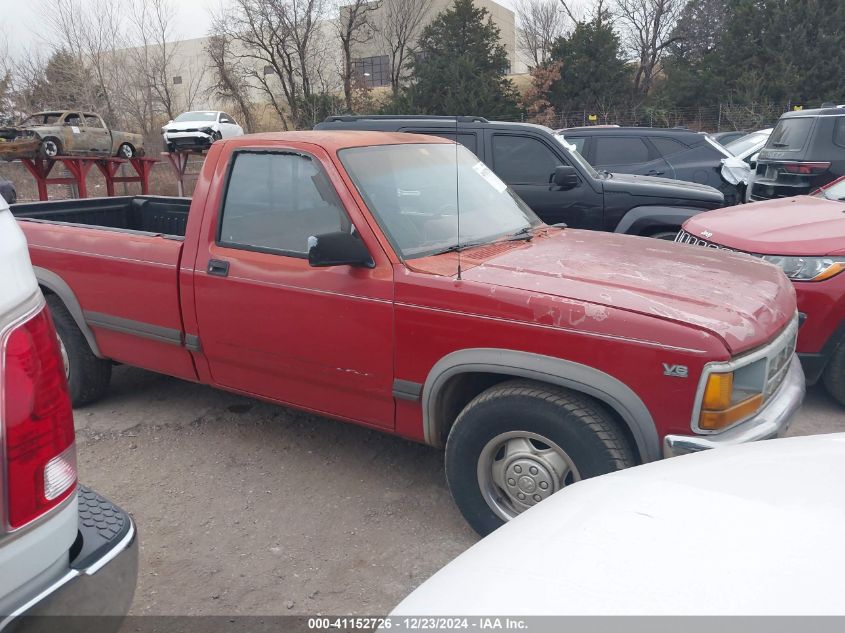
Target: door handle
<point x="218" y="267"/>
<point x="654" y="172"/>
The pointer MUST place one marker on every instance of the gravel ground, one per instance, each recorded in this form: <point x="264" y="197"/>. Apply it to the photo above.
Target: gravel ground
<point x="248" y="508"/>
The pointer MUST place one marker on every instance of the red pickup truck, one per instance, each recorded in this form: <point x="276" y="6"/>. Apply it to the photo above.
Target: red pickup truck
<point x="394" y="281"/>
<point x="805" y="236"/>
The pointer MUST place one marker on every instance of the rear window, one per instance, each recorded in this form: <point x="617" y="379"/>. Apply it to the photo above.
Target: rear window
<point x="790" y="134"/>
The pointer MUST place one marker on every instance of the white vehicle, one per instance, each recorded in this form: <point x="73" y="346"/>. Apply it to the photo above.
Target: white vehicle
<point x="739" y="168"/>
<point x="64" y="549"/>
<point x="199" y="129"/>
<point x="752" y="529"/>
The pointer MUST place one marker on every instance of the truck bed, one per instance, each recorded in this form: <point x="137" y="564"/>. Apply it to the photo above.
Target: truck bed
<point x="158" y="215"/>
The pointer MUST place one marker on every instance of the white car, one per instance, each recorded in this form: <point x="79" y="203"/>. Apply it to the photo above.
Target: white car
<point x="64" y="549"/>
<point x="738" y="169"/>
<point x="198" y="130"/>
<point x="752" y="529"/>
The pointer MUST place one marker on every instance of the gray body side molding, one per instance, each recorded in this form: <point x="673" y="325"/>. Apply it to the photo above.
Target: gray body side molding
<point x="576" y="376"/>
<point x="641" y="217"/>
<point x="57" y="286"/>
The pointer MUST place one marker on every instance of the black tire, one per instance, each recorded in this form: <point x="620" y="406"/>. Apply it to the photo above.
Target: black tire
<point x="834" y="375"/>
<point x="665" y="235"/>
<point x="51" y="147"/>
<point x="88" y="376"/>
<point x="216" y="135"/>
<point x="125" y="151"/>
<point x="576" y="423"/>
<point x="169" y="147"/>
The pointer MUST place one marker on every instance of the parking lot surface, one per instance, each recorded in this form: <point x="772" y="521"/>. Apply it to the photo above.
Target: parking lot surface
<point x="248" y="508"/>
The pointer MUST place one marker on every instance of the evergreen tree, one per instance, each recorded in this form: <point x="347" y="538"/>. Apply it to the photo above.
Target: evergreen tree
<point x="593" y="72"/>
<point x="460" y="67"/>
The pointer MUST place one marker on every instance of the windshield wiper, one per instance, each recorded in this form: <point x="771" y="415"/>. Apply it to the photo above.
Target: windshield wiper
<point x="522" y="234"/>
<point x="454" y="248"/>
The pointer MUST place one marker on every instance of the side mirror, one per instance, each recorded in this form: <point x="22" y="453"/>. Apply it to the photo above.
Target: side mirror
<point x="338" y="249"/>
<point x="565" y="177"/>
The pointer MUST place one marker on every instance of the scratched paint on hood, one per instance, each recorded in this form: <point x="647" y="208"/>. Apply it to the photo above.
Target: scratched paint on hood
<point x="577" y="275"/>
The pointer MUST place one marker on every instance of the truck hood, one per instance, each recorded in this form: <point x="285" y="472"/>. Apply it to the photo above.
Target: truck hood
<point x="801" y="225"/>
<point x="739" y="299"/>
<point x="654" y="187"/>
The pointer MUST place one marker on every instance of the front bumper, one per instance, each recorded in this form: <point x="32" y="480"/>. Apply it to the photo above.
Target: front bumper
<point x="771" y="421"/>
<point x="188" y="139"/>
<point x="99" y="583"/>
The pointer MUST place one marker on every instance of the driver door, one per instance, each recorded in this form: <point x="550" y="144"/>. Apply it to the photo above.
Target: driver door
<point x="273" y="326"/>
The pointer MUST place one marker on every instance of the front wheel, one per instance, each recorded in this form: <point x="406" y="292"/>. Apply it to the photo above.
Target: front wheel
<point x="51" y="147"/>
<point x="834" y="375"/>
<point x="665" y="235"/>
<point x="519" y="442"/>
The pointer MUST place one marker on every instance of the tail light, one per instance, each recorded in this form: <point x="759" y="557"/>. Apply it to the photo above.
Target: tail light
<point x="806" y="168"/>
<point x="37" y="421"/>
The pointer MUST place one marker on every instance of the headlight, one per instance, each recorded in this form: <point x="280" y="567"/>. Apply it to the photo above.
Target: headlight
<point x="730" y="397"/>
<point x="163" y="130"/>
<point x="207" y="130"/>
<point x="808" y="268"/>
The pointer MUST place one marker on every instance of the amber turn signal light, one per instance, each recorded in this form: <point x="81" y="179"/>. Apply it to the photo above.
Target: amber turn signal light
<point x="714" y="420"/>
<point x="718" y="392"/>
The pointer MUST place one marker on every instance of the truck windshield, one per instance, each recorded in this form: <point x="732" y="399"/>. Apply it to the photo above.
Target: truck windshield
<point x="196" y="116"/>
<point x="415" y="190"/>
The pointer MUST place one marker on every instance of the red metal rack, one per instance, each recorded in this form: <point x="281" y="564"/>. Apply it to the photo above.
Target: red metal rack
<point x="79" y="166"/>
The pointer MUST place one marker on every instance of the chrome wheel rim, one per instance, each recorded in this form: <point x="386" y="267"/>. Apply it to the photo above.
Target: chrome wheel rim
<point x="127" y="151"/>
<point x="50" y="148"/>
<point x="519" y="469"/>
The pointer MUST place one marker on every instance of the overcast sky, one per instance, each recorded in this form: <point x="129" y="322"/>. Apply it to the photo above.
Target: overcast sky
<point x="20" y="24"/>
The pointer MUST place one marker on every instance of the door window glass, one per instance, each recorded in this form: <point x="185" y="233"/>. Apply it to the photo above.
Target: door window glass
<point x="617" y="150"/>
<point x="523" y="160"/>
<point x="276" y="201"/>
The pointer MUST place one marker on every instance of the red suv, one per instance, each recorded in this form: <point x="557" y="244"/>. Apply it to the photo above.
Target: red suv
<point x="804" y="236"/>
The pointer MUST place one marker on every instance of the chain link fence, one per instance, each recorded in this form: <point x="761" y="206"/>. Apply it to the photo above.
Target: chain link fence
<point x="718" y="118"/>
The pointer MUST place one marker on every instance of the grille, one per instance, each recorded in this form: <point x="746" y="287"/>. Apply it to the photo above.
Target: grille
<point x="688" y="238"/>
<point x="779" y="357"/>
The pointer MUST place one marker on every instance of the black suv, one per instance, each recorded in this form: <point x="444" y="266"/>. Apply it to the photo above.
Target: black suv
<point x="653" y="151"/>
<point x="805" y="151"/>
<point x="553" y="179"/>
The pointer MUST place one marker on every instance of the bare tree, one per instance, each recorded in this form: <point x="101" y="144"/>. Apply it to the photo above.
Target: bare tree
<point x="231" y="82"/>
<point x="541" y="22"/>
<point x="281" y="46"/>
<point x="648" y="28"/>
<point x="399" y="25"/>
<point x="354" y="26"/>
<point x="152" y="21"/>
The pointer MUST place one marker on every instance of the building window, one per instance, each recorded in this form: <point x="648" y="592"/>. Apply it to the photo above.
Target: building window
<point x="177" y="80"/>
<point x="372" y="71"/>
<point x="269" y="70"/>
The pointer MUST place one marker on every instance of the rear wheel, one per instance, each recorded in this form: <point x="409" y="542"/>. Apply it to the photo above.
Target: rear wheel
<point x="519" y="442"/>
<point x="126" y="151"/>
<point x="834" y="375"/>
<point x="88" y="376"/>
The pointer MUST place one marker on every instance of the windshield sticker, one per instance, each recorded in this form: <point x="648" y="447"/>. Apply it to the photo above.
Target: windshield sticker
<point x="484" y="171"/>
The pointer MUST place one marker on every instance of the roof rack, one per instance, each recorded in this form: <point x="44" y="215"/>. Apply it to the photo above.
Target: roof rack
<point x="403" y="117"/>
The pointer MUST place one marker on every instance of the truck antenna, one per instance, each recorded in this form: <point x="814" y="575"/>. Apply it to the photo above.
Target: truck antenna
<point x="457" y="189"/>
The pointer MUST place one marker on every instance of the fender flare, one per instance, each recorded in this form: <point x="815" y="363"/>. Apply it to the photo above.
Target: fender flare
<point x="55" y="284"/>
<point x="638" y="219"/>
<point x="593" y="382"/>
